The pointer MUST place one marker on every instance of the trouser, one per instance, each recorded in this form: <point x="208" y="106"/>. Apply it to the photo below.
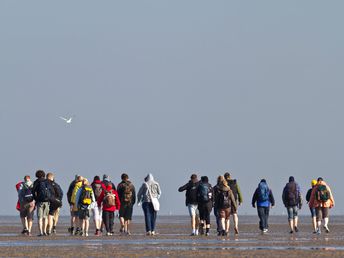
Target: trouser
<point x="150" y="216"/>
<point x="108" y="218"/>
<point x="263" y="214"/>
<point x="218" y="222"/>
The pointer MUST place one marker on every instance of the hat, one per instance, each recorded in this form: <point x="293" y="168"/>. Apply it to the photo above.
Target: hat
<point x="106" y="178"/>
<point x="314" y="182"/>
<point x="291" y="179"/>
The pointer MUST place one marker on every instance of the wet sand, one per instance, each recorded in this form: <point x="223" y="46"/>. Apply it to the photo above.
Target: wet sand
<point x="174" y="240"/>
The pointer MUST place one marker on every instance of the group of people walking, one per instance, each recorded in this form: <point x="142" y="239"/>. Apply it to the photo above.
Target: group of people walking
<point x="102" y="199"/>
<point x="225" y="197"/>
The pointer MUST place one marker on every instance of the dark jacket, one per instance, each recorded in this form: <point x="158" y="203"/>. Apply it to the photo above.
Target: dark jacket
<point x="233" y="184"/>
<point x="70" y="191"/>
<point x="36" y="190"/>
<point x="120" y="190"/>
<point x="255" y="199"/>
<point x="218" y="191"/>
<point x="56" y="194"/>
<point x="210" y="194"/>
<point x="191" y="192"/>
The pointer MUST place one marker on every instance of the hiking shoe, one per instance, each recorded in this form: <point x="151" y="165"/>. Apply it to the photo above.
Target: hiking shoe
<point x="77" y="232"/>
<point x="196" y="232"/>
<point x="149" y="233"/>
<point x="54" y="230"/>
<point x="327" y="230"/>
<point x="24" y="231"/>
<point x="291" y="232"/>
<point x="108" y="233"/>
<point x="296" y="229"/>
<point x="236" y="231"/>
<point x="153" y="233"/>
<point x="207" y="234"/>
<point x="192" y="234"/>
<point x="318" y="231"/>
<point x="128" y="233"/>
<point x="40" y="235"/>
<point x="265" y="230"/>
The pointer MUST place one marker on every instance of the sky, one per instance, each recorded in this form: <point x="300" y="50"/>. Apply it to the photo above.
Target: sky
<point x="173" y="88"/>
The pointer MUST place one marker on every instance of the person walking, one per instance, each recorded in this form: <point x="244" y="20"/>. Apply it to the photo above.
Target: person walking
<point x="74" y="207"/>
<point x="234" y="186"/>
<point x="27" y="204"/>
<point x="224" y="201"/>
<point x="69" y="199"/>
<point x="98" y="187"/>
<point x="42" y="193"/>
<point x="322" y="200"/>
<point x="127" y="196"/>
<point x="312" y="209"/>
<point x="55" y="203"/>
<point x="292" y="200"/>
<point x="148" y="195"/>
<point x="110" y="202"/>
<point x="191" y="202"/>
<point x="263" y="199"/>
<point x="205" y="199"/>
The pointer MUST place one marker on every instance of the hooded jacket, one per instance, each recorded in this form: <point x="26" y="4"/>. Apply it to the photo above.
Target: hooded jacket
<point x="255" y="198"/>
<point x="102" y="196"/>
<point x="77" y="186"/>
<point x="143" y="193"/>
<point x="121" y="188"/>
<point x="218" y="190"/>
<point x="314" y="203"/>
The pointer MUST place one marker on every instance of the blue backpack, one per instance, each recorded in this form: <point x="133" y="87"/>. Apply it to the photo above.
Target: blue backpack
<point x="263" y="192"/>
<point x="204" y="193"/>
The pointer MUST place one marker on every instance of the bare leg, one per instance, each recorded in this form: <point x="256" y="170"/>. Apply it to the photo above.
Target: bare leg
<point x="50" y="223"/>
<point x="227" y="222"/>
<point x="236" y="221"/>
<point x="29" y="225"/>
<point x="121" y="220"/>
<point x="24" y="222"/>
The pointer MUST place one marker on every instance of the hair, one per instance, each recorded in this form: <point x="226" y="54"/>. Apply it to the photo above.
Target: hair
<point x="85" y="181"/>
<point x="227" y="175"/>
<point x="50" y="176"/>
<point x="79" y="178"/>
<point x="320" y="179"/>
<point x="263" y="181"/>
<point x="204" y="179"/>
<point x="26" y="178"/>
<point x="124" y="176"/>
<point x="291" y="179"/>
<point x="40" y="174"/>
<point x="193" y="176"/>
<point x="222" y="180"/>
<point x="96" y="178"/>
<point x="219" y="179"/>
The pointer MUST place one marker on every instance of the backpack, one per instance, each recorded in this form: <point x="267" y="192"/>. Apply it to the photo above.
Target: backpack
<point x="26" y="194"/>
<point x="109" y="199"/>
<point x="322" y="193"/>
<point x="263" y="192"/>
<point x="97" y="189"/>
<point x="58" y="194"/>
<point x="44" y="191"/>
<point x="127" y="192"/>
<point x="204" y="193"/>
<point x="224" y="202"/>
<point x="86" y="195"/>
<point x="291" y="194"/>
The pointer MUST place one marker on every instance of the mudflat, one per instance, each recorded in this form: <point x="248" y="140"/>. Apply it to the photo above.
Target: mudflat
<point x="174" y="240"/>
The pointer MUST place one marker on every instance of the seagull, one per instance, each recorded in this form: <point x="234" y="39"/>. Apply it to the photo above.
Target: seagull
<point x="67" y="120"/>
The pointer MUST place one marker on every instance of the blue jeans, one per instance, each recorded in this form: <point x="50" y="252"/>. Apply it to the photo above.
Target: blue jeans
<point x="263" y="214"/>
<point x="150" y="216"/>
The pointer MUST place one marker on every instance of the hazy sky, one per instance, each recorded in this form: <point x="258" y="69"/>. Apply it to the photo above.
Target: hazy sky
<point x="172" y="88"/>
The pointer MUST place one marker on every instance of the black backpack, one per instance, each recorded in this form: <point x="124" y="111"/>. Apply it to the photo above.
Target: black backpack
<point x="26" y="194"/>
<point x="291" y="194"/>
<point x="44" y="191"/>
<point x="223" y="202"/>
<point x="58" y="195"/>
<point x="204" y="192"/>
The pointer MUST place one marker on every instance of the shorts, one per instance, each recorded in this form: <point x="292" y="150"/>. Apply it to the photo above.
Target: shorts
<point x="321" y="213"/>
<point x="27" y="210"/>
<point x="193" y="210"/>
<point x="42" y="209"/>
<point x="292" y="212"/>
<point x="84" y="214"/>
<point x="53" y="209"/>
<point x="313" y="214"/>
<point x="233" y="210"/>
<point x="126" y="212"/>
<point x="74" y="213"/>
<point x="224" y="213"/>
<point x="97" y="213"/>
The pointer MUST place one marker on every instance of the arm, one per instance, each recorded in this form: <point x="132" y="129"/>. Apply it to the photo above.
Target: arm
<point x="140" y="193"/>
<point x="158" y="190"/>
<point x="183" y="188"/>
<point x="133" y="196"/>
<point x="255" y="198"/>
<point x="240" y="199"/>
<point x="271" y="198"/>
<point x="117" y="201"/>
<point x="233" y="200"/>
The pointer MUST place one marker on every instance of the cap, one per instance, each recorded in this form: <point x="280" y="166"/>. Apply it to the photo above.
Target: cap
<point x="314" y="182"/>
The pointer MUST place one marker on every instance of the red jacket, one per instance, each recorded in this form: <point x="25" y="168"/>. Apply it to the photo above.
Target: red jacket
<point x="106" y="208"/>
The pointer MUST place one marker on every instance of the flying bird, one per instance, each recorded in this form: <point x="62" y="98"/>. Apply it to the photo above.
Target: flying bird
<point x="67" y="120"/>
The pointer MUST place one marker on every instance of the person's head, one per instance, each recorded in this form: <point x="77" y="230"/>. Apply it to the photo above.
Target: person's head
<point x="204" y="179"/>
<point x="79" y="178"/>
<point x="76" y="177"/>
<point x="314" y="183"/>
<point x="27" y="178"/>
<point x="320" y="179"/>
<point x="221" y="180"/>
<point x="263" y="181"/>
<point x="124" y="177"/>
<point x="194" y="178"/>
<point x="50" y="176"/>
<point x="106" y="178"/>
<point x="291" y="179"/>
<point x="149" y="177"/>
<point x="96" y="178"/>
<point x="227" y="176"/>
<point x="85" y="181"/>
<point x="40" y="174"/>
